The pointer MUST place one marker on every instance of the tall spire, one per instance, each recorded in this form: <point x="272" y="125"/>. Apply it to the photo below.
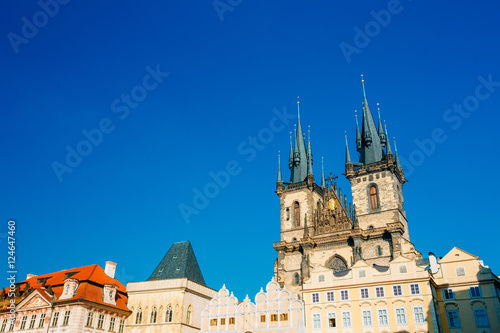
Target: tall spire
<point x="363" y="84"/>
<point x="371" y="149"/>
<point x="299" y="171"/>
<point x="347" y="155"/>
<point x="279" y="168"/>
<point x="381" y="133"/>
<point x="398" y="163"/>
<point x="388" y="148"/>
<point x="309" y="153"/>
<point x="358" y="133"/>
<point x="323" y="183"/>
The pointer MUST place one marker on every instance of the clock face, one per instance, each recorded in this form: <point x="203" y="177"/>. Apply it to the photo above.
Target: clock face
<point x="338" y="266"/>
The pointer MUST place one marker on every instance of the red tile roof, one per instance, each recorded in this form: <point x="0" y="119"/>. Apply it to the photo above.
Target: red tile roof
<point x="91" y="279"/>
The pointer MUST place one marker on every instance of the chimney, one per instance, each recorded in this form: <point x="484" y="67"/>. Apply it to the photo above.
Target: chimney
<point x="29" y="276"/>
<point x="110" y="269"/>
<point x="433" y="263"/>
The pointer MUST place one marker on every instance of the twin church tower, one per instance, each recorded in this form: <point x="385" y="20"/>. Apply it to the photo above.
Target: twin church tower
<point x="319" y="226"/>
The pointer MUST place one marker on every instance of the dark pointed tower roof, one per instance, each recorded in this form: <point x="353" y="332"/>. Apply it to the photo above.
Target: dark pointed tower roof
<point x="179" y="262"/>
<point x="388" y="147"/>
<point x="299" y="169"/>
<point x="381" y="133"/>
<point x="371" y="148"/>
<point x="358" y="134"/>
<point x="398" y="163"/>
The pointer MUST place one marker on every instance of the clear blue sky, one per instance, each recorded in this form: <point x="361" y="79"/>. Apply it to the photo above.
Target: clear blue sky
<point x="228" y="68"/>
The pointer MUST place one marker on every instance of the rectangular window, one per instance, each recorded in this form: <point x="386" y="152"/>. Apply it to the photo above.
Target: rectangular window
<point x="90" y="319"/>
<point x="223" y="321"/>
<point x="41" y="323"/>
<point x="379" y="291"/>
<point x="12" y="323"/>
<point x="66" y="318"/>
<point x="231" y="320"/>
<point x="4" y="324"/>
<point x="332" y="320"/>
<point x="284" y="317"/>
<point x="400" y="316"/>
<point x="100" y="322"/>
<point x="316" y="321"/>
<point x="23" y="323"/>
<point x="460" y="271"/>
<point x="122" y="326"/>
<point x="112" y="322"/>
<point x="418" y="313"/>
<point x="346" y="319"/>
<point x="55" y="319"/>
<point x="481" y="318"/>
<point x="402" y="269"/>
<point x="364" y="293"/>
<point x="344" y="295"/>
<point x="362" y="273"/>
<point x="263" y="318"/>
<point x="330" y="296"/>
<point x="315" y="297"/>
<point x="367" y="318"/>
<point x="415" y="289"/>
<point x="453" y="319"/>
<point x="32" y="321"/>
<point x="475" y="291"/>
<point x="397" y="291"/>
<point x="448" y="294"/>
<point x="274" y="317"/>
<point x="213" y="322"/>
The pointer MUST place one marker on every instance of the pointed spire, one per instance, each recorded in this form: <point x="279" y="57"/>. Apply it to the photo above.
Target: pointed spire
<point x="398" y="163"/>
<point x="371" y="149"/>
<point x="347" y="154"/>
<point x="309" y="153"/>
<point x="381" y="133"/>
<point x="279" y="168"/>
<point x="388" y="148"/>
<point x="358" y="133"/>
<point x="299" y="169"/>
<point x="323" y="183"/>
<point x="363" y="84"/>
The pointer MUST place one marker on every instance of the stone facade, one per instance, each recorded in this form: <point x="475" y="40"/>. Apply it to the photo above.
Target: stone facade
<point x="171" y="305"/>
<point x="274" y="310"/>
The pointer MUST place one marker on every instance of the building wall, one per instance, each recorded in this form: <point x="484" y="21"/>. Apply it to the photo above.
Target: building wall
<point x="352" y="282"/>
<point x="274" y="310"/>
<point x="180" y="294"/>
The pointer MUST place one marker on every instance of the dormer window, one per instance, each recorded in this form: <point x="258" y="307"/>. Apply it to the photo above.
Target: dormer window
<point x="70" y="288"/>
<point x="109" y="293"/>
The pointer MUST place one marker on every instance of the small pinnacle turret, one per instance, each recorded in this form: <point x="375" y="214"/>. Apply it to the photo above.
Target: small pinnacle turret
<point x="388" y="148"/>
<point x="323" y="183"/>
<point x="347" y="154"/>
<point x="381" y="133"/>
<point x="398" y="163"/>
<point x="280" y="180"/>
<point x="309" y="153"/>
<point x="358" y="133"/>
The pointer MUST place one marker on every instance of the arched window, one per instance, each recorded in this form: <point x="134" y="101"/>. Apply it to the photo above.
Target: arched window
<point x="296" y="279"/>
<point x="379" y="250"/>
<point x="138" y="317"/>
<point x="373" y="197"/>
<point x="168" y="315"/>
<point x="294" y="239"/>
<point x="188" y="315"/>
<point x="153" y="315"/>
<point x="296" y="213"/>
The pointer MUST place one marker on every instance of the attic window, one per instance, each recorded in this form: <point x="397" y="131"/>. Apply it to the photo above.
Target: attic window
<point x="42" y="280"/>
<point x="178" y="269"/>
<point x="175" y="256"/>
<point x="68" y="275"/>
<point x="161" y="270"/>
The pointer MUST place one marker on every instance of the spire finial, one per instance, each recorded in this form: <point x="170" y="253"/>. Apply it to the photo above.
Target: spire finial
<point x="395" y="147"/>
<point x="298" y="107"/>
<point x="378" y="109"/>
<point x="356" y="115"/>
<point x="363" y="84"/>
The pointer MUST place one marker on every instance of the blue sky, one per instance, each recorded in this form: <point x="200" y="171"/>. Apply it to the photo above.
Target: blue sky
<point x="172" y="92"/>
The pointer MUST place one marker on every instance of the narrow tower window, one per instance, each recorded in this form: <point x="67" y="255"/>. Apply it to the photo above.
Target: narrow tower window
<point x="296" y="211"/>
<point x="373" y="197"/>
<point x="296" y="279"/>
<point x="379" y="251"/>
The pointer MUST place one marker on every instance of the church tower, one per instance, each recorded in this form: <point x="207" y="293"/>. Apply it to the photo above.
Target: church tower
<point x="319" y="226"/>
